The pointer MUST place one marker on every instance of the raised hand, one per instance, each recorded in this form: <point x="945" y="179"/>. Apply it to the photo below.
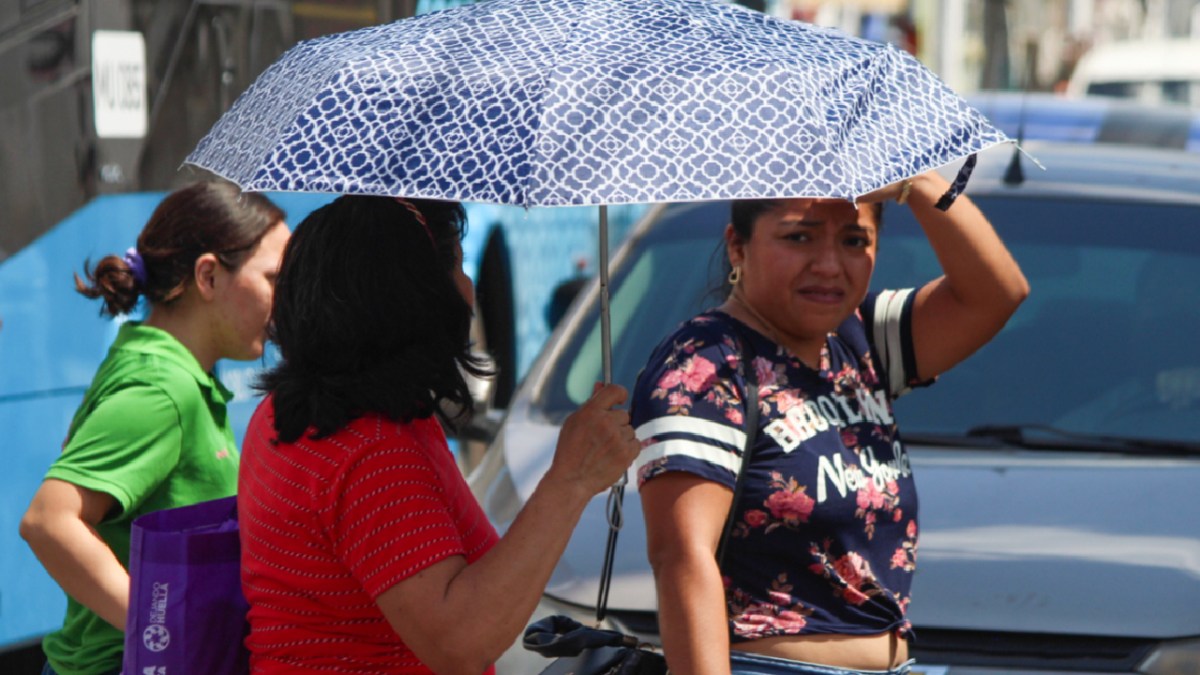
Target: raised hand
<point x="596" y="444"/>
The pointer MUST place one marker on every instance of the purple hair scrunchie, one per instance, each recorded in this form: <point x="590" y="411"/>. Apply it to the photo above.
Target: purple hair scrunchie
<point x="137" y="266"/>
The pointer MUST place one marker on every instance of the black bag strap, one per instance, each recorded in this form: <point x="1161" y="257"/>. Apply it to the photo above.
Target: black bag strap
<point x="750" y="397"/>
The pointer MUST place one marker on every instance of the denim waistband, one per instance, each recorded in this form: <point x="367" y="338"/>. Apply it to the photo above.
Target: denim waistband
<point x="756" y="664"/>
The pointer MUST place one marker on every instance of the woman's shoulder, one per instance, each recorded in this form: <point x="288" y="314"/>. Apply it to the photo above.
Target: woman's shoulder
<point x="711" y="327"/>
<point x="701" y="351"/>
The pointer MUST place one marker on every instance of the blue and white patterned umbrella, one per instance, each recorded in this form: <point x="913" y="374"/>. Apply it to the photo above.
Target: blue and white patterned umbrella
<point x="572" y="102"/>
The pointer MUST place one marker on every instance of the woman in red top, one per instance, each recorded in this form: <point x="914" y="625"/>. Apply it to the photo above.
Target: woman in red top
<point x="363" y="548"/>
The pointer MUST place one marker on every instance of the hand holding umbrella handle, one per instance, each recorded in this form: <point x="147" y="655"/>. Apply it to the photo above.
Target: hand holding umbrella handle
<point x="902" y="189"/>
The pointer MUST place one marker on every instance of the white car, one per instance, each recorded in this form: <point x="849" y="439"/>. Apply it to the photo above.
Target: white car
<point x="1058" y="468"/>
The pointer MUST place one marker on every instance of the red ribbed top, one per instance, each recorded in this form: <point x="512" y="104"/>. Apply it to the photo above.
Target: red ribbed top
<point x="329" y="525"/>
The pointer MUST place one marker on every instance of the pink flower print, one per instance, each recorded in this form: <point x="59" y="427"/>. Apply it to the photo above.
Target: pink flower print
<point x="670" y="379"/>
<point x="897" y="515"/>
<point x="911" y="531"/>
<point x="778" y="616"/>
<point x="779" y="598"/>
<point x="870" y="496"/>
<point x="755" y="518"/>
<point x="785" y="400"/>
<point x="854" y="596"/>
<point x="855" y="573"/>
<point x="845" y="379"/>
<point x="852" y="569"/>
<point x="698" y="373"/>
<point x="792" y="507"/>
<point x="792" y="622"/>
<point x="678" y="399"/>
<point x="900" y="558"/>
<point x="733" y="415"/>
<point x="765" y="371"/>
<point x="849" y="439"/>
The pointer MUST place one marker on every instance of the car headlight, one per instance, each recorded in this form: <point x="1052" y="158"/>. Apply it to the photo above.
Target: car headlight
<point x="1178" y="657"/>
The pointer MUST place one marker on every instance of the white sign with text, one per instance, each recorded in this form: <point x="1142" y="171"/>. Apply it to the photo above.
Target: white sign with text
<point x="119" y="84"/>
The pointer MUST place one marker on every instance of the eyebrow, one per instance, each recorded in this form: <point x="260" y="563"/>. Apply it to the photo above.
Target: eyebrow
<point x="788" y="222"/>
<point x="816" y="223"/>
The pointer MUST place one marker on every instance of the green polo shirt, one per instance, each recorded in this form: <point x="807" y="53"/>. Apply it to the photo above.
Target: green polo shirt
<point x="153" y="432"/>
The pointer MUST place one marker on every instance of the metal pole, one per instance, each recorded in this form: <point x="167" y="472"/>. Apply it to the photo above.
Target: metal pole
<point x="616" y="494"/>
<point x="605" y="324"/>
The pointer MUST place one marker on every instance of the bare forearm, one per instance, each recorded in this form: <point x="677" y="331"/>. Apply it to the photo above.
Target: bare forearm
<point x="83" y="565"/>
<point x="692" y="617"/>
<point x="459" y="618"/>
<point x="510" y="579"/>
<point x="979" y="270"/>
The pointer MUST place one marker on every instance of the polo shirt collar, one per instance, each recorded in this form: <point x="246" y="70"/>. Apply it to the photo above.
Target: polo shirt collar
<point x="137" y="337"/>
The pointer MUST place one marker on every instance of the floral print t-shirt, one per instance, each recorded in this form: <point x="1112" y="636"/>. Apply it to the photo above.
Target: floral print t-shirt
<point x="825" y="533"/>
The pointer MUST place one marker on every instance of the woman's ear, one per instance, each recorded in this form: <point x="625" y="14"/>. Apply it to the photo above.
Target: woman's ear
<point x="205" y="271"/>
<point x="733" y="246"/>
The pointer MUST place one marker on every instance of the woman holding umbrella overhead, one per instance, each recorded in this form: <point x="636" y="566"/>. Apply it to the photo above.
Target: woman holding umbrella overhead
<point x="822" y="543"/>
<point x="363" y="548"/>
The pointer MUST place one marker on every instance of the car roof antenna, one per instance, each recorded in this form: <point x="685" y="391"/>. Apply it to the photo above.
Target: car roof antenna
<point x="1015" y="173"/>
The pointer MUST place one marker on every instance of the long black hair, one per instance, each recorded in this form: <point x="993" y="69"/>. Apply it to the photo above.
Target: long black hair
<point x="368" y="317"/>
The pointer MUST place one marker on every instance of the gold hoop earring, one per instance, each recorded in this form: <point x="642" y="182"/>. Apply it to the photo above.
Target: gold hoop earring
<point x="735" y="275"/>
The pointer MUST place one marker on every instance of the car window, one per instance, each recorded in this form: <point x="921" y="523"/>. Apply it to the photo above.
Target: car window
<point x="671" y="273"/>
<point x="1116" y="89"/>
<point x="1104" y="344"/>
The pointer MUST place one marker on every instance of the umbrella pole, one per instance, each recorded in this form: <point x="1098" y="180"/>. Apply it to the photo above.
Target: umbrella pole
<point x="616" y="494"/>
<point x="605" y="323"/>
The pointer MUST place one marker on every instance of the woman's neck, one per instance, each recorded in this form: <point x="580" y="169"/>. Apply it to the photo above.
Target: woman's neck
<point x="737" y="307"/>
<point x="187" y="327"/>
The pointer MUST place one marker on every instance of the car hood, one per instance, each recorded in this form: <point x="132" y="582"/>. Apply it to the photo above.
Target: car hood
<point x="1010" y="540"/>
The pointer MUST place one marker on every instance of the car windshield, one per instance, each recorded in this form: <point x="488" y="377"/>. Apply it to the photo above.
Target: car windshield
<point x="1105" y="344"/>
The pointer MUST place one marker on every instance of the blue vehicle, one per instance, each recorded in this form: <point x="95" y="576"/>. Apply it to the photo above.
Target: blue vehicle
<point x="1090" y="119"/>
<point x="99" y="103"/>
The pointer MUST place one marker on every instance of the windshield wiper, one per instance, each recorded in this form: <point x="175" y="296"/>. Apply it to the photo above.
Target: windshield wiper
<point x="1047" y="437"/>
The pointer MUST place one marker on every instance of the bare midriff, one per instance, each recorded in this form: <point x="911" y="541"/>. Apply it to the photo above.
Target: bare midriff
<point x="882" y="651"/>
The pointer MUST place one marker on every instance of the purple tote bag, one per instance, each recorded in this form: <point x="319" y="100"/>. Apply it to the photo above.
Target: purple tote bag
<point x="187" y="613"/>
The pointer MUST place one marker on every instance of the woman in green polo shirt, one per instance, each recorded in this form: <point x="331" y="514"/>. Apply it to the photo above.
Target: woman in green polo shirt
<point x="152" y="432"/>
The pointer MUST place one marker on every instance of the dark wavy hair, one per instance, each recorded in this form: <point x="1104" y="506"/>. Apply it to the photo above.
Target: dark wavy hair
<point x="212" y="216"/>
<point x="368" y="318"/>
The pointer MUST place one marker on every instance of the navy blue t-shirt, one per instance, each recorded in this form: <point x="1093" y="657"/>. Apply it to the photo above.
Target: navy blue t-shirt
<point x="825" y="533"/>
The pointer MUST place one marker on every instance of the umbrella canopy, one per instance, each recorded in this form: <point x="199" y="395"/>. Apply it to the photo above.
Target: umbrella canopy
<point x="574" y="102"/>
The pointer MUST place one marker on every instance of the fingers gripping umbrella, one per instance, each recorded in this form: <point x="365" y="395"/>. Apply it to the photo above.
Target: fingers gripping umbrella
<point x="578" y="102"/>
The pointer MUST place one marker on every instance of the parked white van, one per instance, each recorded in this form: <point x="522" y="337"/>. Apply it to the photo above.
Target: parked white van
<point x="1152" y="71"/>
